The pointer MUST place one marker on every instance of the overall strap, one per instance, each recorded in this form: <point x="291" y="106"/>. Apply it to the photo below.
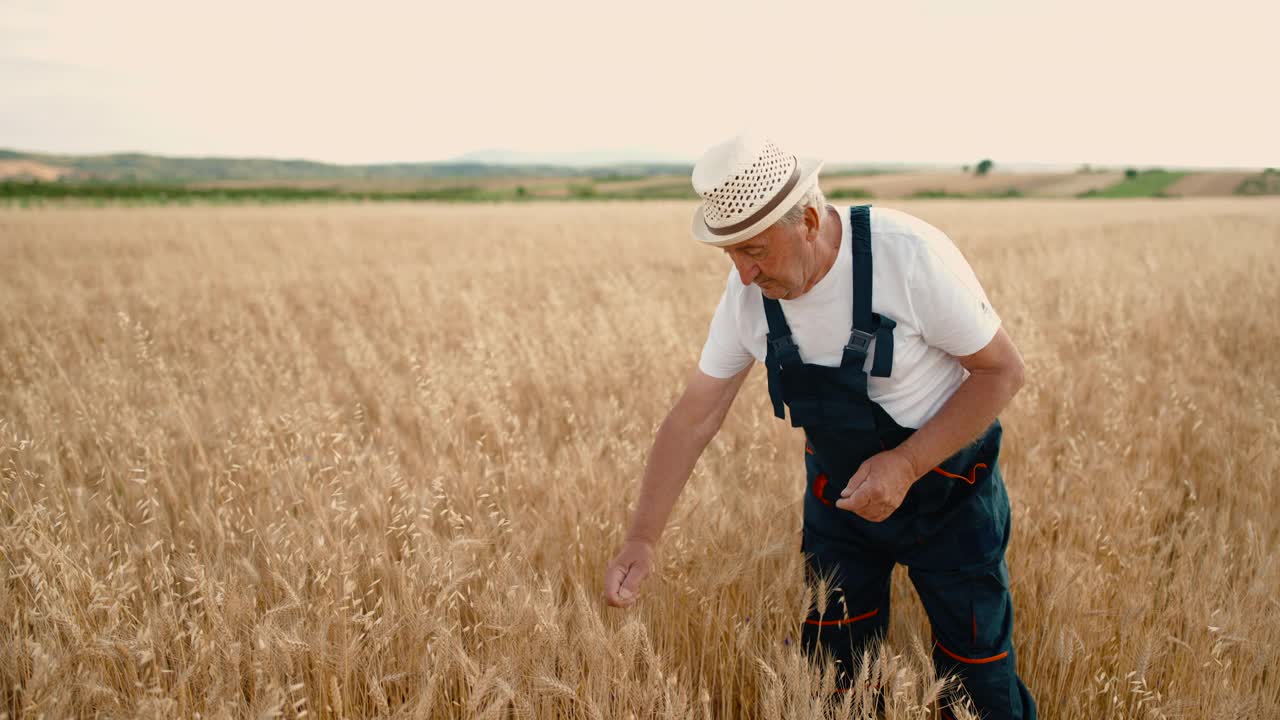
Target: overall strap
<point x="780" y="350"/>
<point x="866" y="324"/>
<point x="860" y="224"/>
<point x="882" y="365"/>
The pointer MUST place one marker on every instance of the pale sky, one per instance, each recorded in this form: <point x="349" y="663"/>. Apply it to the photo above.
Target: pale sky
<point x="1102" y="82"/>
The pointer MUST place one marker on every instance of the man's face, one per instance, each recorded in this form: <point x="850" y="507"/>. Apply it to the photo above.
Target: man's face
<point x="779" y="260"/>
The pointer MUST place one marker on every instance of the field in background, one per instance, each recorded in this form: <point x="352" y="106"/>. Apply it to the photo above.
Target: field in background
<point x="601" y="185"/>
<point x="1202" y="184"/>
<point x="1154" y="183"/>
<point x="901" y="185"/>
<point x="371" y="460"/>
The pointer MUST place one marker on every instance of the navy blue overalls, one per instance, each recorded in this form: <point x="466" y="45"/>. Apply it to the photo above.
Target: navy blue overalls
<point x="951" y="530"/>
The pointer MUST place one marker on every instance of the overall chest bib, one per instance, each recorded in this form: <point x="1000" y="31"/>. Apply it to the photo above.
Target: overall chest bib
<point x="843" y="425"/>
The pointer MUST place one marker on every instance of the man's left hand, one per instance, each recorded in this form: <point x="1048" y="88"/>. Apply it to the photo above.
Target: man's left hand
<point x="879" y="486"/>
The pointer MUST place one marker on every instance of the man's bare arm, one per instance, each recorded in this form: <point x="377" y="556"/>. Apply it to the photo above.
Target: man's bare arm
<point x="996" y="373"/>
<point x="683" y="435"/>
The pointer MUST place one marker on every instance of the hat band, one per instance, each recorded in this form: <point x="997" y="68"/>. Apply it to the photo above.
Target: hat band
<point x="768" y="207"/>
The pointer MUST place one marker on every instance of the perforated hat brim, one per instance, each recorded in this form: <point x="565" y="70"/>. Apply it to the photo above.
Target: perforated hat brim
<point x="808" y="169"/>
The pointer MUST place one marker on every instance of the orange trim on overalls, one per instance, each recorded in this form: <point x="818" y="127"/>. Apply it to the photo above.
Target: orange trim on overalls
<point x="973" y="473"/>
<point x="846" y="621"/>
<point x="819" y="485"/>
<point x="971" y="661"/>
<point x="808" y="449"/>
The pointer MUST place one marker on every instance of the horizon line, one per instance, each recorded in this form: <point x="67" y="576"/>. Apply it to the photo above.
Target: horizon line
<point x="457" y="160"/>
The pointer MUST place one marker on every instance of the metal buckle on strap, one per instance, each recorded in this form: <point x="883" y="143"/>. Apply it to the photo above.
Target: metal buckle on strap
<point x="859" y="341"/>
<point x="783" y="343"/>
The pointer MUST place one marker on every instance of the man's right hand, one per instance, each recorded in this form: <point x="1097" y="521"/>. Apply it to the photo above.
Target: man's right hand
<point x="625" y="573"/>
<point x="682" y="436"/>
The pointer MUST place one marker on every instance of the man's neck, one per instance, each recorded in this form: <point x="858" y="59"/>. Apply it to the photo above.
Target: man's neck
<point x="828" y="246"/>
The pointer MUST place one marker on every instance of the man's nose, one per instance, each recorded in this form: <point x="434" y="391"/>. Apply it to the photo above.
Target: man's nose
<point x="747" y="271"/>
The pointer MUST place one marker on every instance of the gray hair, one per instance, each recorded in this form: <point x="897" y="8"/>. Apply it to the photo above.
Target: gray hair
<point x="812" y="198"/>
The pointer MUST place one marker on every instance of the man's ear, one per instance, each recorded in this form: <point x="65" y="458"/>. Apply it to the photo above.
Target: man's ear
<point x="812" y="223"/>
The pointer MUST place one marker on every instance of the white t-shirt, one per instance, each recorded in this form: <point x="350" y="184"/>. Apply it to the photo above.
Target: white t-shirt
<point x="919" y="279"/>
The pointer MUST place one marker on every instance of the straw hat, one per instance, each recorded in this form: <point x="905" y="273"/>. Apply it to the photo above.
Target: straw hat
<point x="747" y="184"/>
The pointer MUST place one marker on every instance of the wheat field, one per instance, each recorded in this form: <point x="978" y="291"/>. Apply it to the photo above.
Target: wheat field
<point x="349" y="461"/>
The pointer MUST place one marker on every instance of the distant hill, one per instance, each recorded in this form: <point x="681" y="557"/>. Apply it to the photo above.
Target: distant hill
<point x="139" y="167"/>
<point x="14" y="169"/>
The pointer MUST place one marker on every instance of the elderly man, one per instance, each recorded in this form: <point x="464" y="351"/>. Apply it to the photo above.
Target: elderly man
<point x="879" y="340"/>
